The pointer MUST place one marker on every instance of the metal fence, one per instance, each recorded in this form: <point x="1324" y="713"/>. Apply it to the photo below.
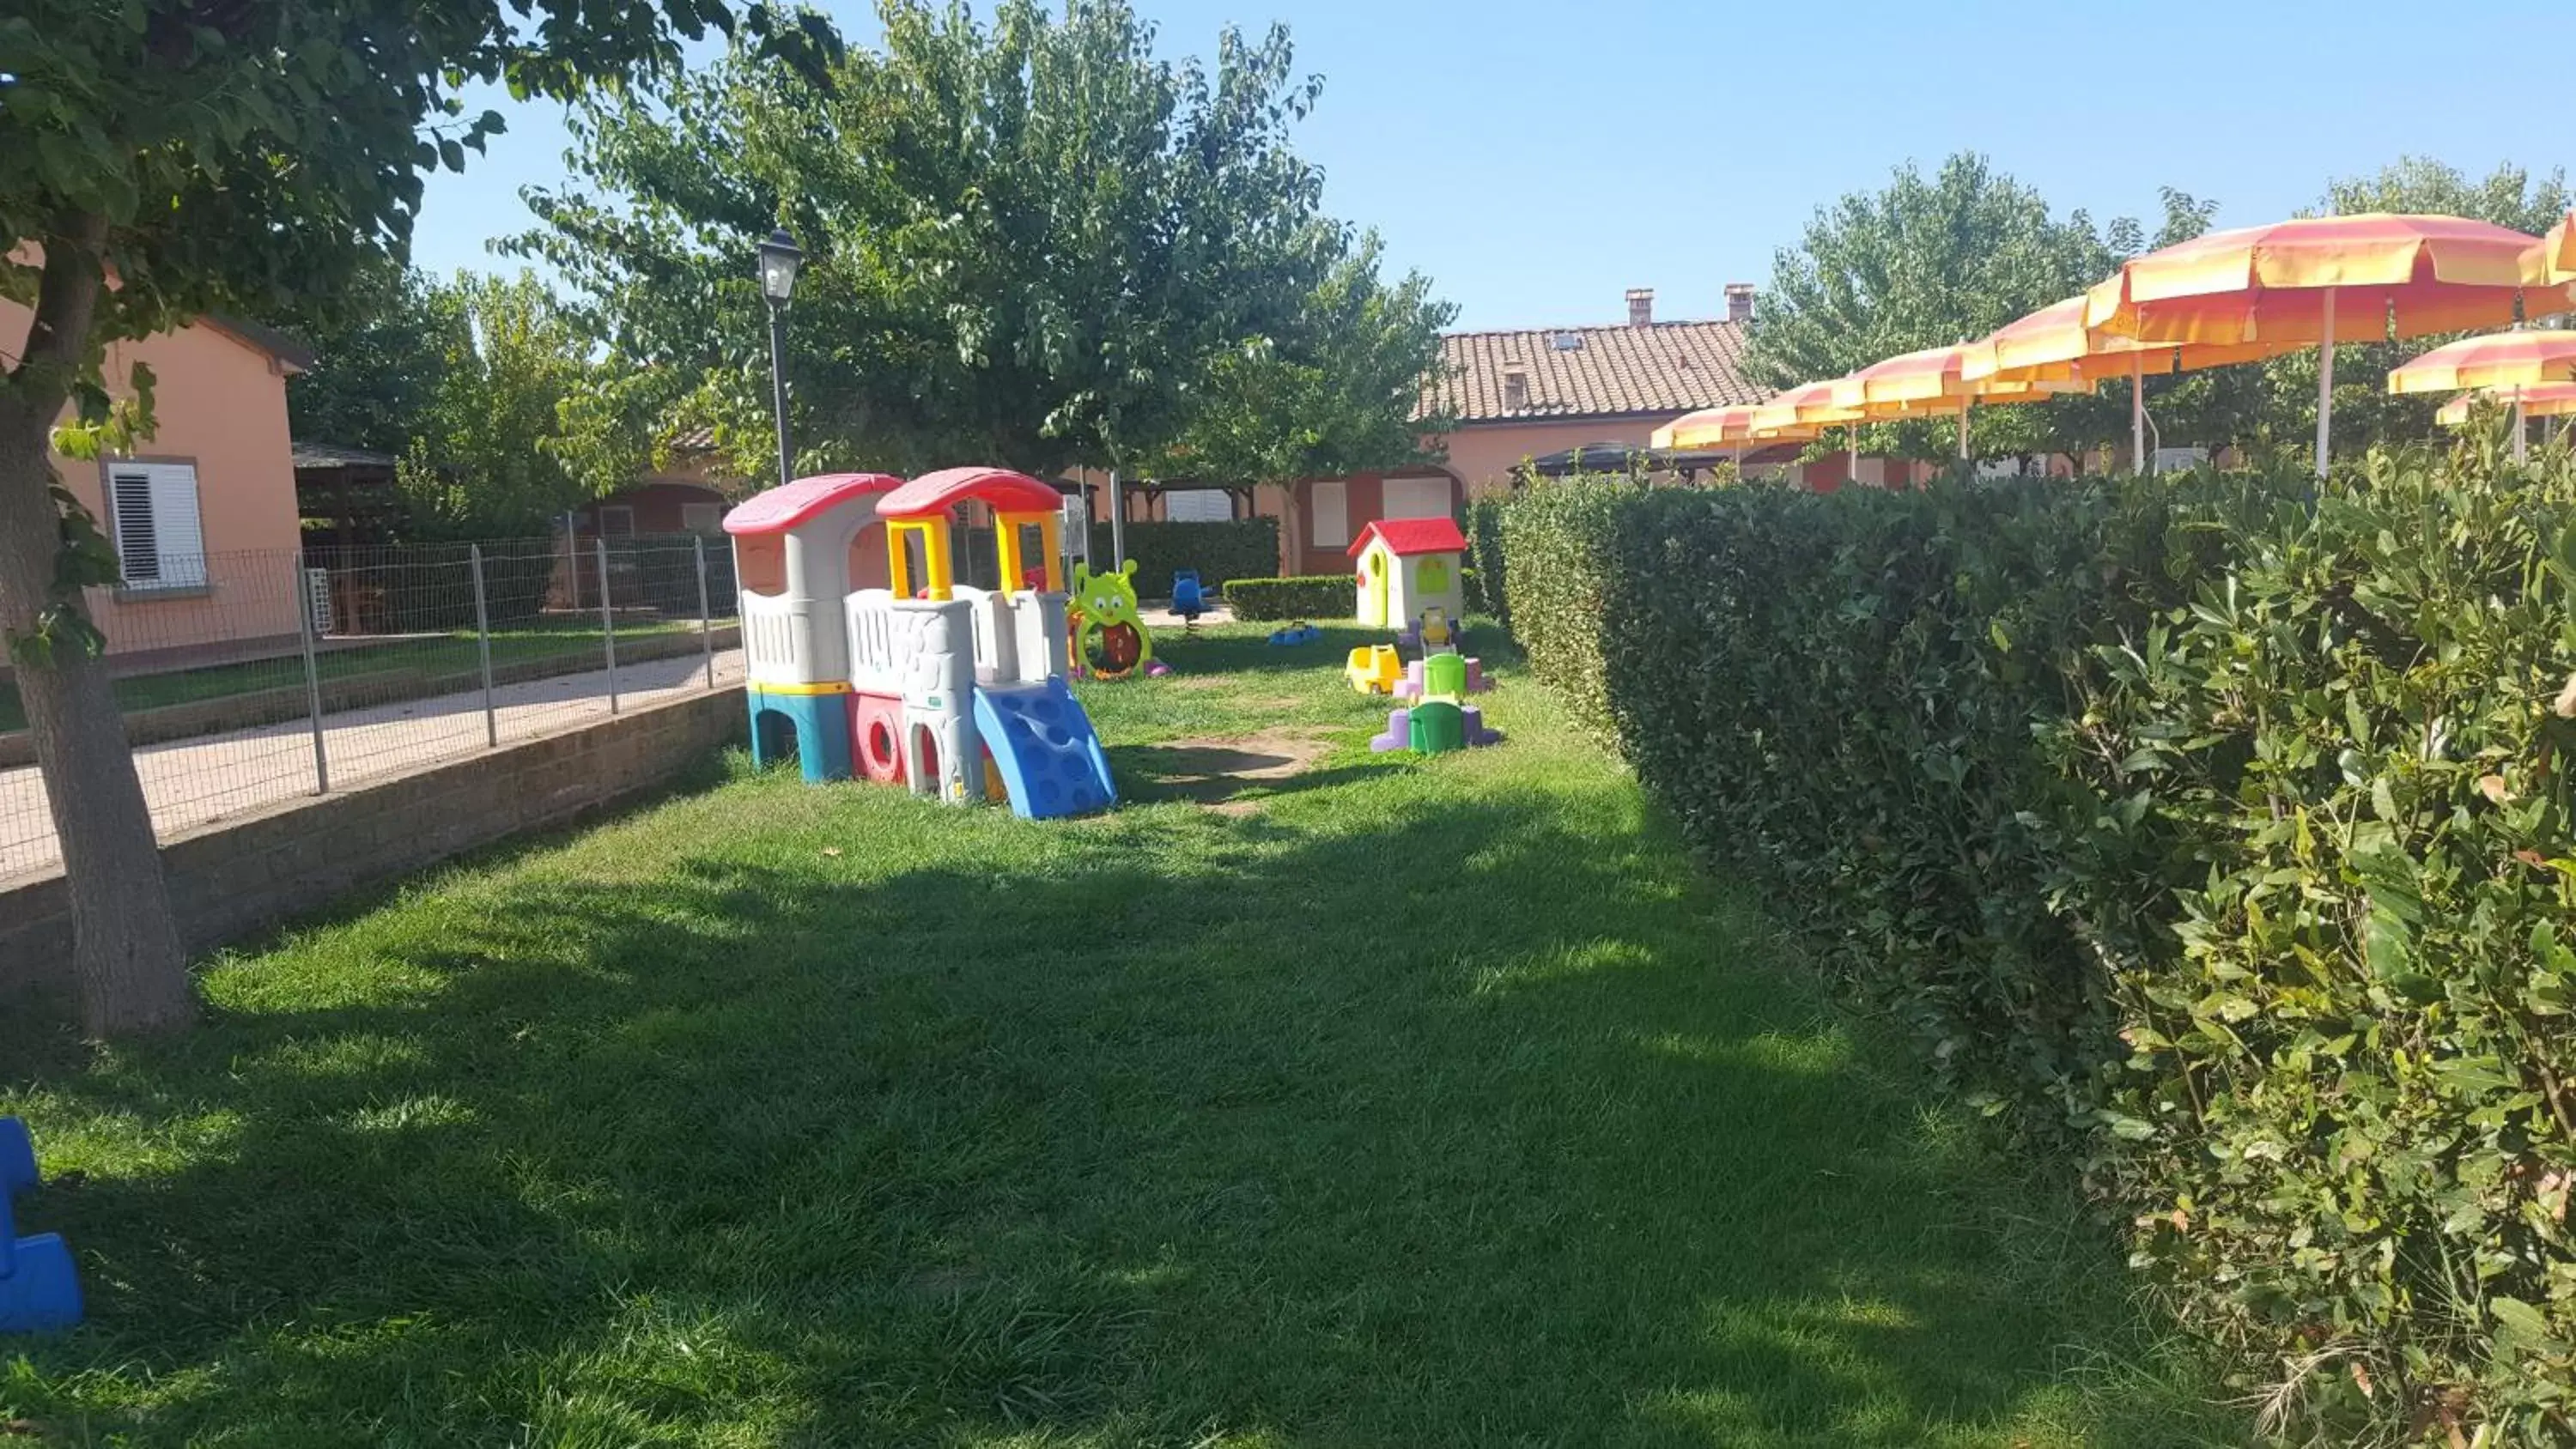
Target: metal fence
<point x="259" y="677"/>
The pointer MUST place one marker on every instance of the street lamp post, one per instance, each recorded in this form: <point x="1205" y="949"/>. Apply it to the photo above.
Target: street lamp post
<point x="779" y="260"/>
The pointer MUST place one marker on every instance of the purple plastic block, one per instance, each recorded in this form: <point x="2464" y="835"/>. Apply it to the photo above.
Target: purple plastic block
<point x="1410" y="686"/>
<point x="1477" y="683"/>
<point x="1477" y="734"/>
<point x="1398" y="736"/>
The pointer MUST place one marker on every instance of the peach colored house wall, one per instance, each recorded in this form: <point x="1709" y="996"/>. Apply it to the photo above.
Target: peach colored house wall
<point x="1485" y="454"/>
<point x="221" y="405"/>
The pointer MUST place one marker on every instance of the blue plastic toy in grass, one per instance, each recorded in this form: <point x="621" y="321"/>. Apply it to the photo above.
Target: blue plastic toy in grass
<point x="1300" y="632"/>
<point x="38" y="1290"/>
<point x="1189" y="597"/>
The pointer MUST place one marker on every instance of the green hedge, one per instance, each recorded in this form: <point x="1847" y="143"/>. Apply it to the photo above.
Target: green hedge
<point x="2215" y="830"/>
<point x="1484" y="565"/>
<point x="1245" y="548"/>
<point x="1311" y="596"/>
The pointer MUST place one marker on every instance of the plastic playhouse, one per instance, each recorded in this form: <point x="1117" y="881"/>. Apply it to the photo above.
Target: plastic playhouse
<point x="867" y="658"/>
<point x="1408" y="566"/>
<point x="38" y="1289"/>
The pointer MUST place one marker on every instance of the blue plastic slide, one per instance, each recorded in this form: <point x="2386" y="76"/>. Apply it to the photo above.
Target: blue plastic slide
<point x="1043" y="746"/>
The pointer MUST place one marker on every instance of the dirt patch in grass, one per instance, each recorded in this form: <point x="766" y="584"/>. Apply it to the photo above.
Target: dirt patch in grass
<point x="1218" y="770"/>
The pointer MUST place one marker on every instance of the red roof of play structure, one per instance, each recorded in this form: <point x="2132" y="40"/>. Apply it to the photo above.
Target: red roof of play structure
<point x="781" y="509"/>
<point x="935" y="493"/>
<point x="1406" y="537"/>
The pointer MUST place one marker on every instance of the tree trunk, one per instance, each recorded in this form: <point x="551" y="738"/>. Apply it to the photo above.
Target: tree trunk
<point x="125" y="946"/>
<point x="1292" y="529"/>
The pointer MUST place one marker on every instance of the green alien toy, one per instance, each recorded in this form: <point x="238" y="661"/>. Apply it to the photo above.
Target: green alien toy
<point x="1108" y="637"/>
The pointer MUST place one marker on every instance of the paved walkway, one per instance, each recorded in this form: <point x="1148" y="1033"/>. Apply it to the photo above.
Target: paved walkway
<point x="191" y="782"/>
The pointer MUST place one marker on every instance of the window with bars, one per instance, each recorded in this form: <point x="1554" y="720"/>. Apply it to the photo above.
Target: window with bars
<point x="154" y="521"/>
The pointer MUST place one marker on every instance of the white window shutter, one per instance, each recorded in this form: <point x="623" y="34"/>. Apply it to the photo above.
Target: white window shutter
<point x="130" y="524"/>
<point x="154" y="520"/>
<point x="1417" y="498"/>
<point x="182" y="532"/>
<point x="1198" y="505"/>
<point x="1331" y="503"/>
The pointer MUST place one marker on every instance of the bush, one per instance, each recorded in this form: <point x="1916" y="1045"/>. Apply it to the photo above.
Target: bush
<point x="1483" y="574"/>
<point x="1311" y="596"/>
<point x="1245" y="548"/>
<point x="2214" y="828"/>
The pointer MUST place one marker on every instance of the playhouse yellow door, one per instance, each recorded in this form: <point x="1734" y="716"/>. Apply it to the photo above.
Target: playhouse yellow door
<point x="1374" y="615"/>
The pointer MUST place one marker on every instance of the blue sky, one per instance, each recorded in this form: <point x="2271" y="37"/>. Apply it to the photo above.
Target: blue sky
<point x="1536" y="160"/>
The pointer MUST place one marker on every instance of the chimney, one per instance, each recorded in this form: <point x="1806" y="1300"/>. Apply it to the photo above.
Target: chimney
<point x="1641" y="306"/>
<point x="1515" y="388"/>
<point x="1739" y="301"/>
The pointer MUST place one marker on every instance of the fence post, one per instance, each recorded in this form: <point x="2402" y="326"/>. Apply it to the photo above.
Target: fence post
<point x="572" y="557"/>
<point x="607" y="623"/>
<point x="706" y="615"/>
<point x="483" y="645"/>
<point x="312" y="678"/>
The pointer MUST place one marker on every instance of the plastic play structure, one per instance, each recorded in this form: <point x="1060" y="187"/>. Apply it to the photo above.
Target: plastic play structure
<point x="1109" y="638"/>
<point x="1439" y="720"/>
<point x="1295" y="634"/>
<point x="1408" y="567"/>
<point x="38" y="1290"/>
<point x="1189" y="598"/>
<point x="868" y="658"/>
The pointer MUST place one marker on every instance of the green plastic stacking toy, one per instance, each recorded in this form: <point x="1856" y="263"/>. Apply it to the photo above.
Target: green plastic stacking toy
<point x="1437" y="727"/>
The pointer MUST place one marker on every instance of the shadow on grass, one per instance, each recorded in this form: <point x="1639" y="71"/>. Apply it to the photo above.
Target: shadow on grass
<point x="1462" y="1127"/>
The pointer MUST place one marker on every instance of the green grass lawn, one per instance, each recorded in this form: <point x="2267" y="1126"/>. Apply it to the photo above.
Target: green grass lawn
<point x="573" y="639"/>
<point x="1390" y="1103"/>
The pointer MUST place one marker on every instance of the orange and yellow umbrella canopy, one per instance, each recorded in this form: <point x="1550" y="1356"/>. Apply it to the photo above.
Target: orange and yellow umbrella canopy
<point x="2557" y="255"/>
<point x="2551" y="400"/>
<point x="1721" y="427"/>
<point x="2508" y="363"/>
<point x="1918" y="384"/>
<point x="2499" y="361"/>
<point x="1809" y="405"/>
<point x="2054" y="344"/>
<point x="2386" y="275"/>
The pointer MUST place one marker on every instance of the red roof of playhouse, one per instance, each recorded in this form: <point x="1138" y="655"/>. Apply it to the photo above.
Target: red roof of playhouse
<point x="781" y="509"/>
<point x="1406" y="537"/>
<point x="935" y="493"/>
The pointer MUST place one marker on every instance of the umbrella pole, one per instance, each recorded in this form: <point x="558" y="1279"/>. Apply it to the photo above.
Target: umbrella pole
<point x="1965" y="403"/>
<point x="2521" y="434"/>
<point x="2138" y="413"/>
<point x="1851" y="458"/>
<point x="2325" y="384"/>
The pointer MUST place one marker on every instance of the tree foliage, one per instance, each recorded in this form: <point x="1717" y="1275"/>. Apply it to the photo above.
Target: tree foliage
<point x="206" y="154"/>
<point x="489" y="455"/>
<point x="1029" y="240"/>
<point x="1931" y="261"/>
<point x="378" y="358"/>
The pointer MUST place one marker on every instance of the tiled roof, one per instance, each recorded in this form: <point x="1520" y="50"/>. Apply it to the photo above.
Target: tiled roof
<point x="1406" y="537"/>
<point x="1662" y="367"/>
